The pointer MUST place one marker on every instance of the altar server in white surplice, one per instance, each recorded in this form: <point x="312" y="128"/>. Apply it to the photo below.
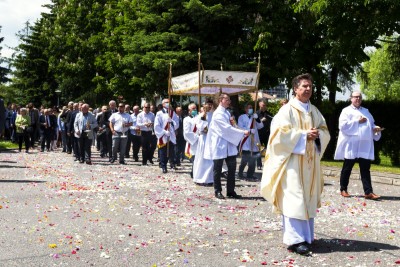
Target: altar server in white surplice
<point x="356" y="144"/>
<point x="221" y="144"/>
<point x="249" y="145"/>
<point x="292" y="180"/>
<point x="203" y="169"/>
<point x="190" y="134"/>
<point x="166" y="123"/>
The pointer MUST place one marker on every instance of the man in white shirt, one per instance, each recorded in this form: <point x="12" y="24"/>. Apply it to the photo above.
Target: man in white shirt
<point x="84" y="124"/>
<point x="221" y="144"/>
<point x="145" y="122"/>
<point x="356" y="144"/>
<point x="248" y="146"/>
<point x="166" y="123"/>
<point x="119" y="126"/>
<point x="134" y="135"/>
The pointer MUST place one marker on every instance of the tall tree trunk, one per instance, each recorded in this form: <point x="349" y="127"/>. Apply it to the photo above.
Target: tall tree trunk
<point x="331" y="120"/>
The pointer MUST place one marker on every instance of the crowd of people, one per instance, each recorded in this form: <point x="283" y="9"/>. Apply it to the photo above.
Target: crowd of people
<point x="211" y="138"/>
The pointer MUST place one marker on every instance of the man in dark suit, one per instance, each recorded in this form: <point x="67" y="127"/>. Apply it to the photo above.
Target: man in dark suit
<point x="263" y="133"/>
<point x="2" y="116"/>
<point x="46" y="130"/>
<point x="74" y="140"/>
<point x="34" y="115"/>
<point x="54" y="134"/>
<point x="113" y="109"/>
<point x="180" y="140"/>
<point x="66" y="116"/>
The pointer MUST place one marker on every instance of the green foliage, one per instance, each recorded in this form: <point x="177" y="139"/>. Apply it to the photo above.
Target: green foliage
<point x="380" y="80"/>
<point x="97" y="50"/>
<point x="3" y="70"/>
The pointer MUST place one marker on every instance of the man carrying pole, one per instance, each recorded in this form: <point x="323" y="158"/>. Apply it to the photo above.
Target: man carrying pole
<point x="165" y="124"/>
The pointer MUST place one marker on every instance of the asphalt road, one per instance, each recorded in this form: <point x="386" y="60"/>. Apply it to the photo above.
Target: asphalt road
<point x="56" y="212"/>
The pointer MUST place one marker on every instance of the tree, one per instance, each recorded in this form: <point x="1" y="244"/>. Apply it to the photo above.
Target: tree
<point x="3" y="70"/>
<point x="74" y="46"/>
<point x="380" y="81"/>
<point x="32" y="79"/>
<point x="164" y="32"/>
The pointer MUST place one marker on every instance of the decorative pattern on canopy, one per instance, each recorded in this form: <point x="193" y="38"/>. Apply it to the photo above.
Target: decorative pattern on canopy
<point x="213" y="82"/>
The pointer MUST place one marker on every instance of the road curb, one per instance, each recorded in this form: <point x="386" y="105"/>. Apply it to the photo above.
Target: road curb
<point x="376" y="177"/>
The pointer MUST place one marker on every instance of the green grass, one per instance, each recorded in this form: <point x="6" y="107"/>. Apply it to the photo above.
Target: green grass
<point x="385" y="166"/>
<point x="7" y="145"/>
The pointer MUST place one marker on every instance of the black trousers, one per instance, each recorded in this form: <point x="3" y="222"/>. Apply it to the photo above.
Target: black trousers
<point x="136" y="143"/>
<point x="180" y="150"/>
<point x="365" y="165"/>
<point x="264" y="136"/>
<point x="23" y="137"/>
<point x="45" y="138"/>
<point x="69" y="141"/>
<point x="102" y="140"/>
<point x="33" y="135"/>
<point x="85" y="145"/>
<point x="153" y="145"/>
<point x="109" y="142"/>
<point x="192" y="161"/>
<point x="167" y="152"/>
<point x="230" y="183"/>
<point x="146" y="142"/>
<point x="250" y="160"/>
<point x="75" y="147"/>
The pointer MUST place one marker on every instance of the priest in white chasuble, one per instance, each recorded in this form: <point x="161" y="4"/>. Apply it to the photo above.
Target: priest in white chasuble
<point x="292" y="180"/>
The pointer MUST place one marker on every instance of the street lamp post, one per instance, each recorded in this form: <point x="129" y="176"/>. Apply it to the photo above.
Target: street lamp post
<point x="58" y="91"/>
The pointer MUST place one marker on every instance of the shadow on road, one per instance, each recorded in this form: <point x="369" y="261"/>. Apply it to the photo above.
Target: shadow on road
<point x="22" y="181"/>
<point x="253" y="198"/>
<point x="326" y="245"/>
<point x="12" y="166"/>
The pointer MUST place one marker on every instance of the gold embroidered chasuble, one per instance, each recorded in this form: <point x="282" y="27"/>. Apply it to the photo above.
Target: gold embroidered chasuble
<point x="293" y="183"/>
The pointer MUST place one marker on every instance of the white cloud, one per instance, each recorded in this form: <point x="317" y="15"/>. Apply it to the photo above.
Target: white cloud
<point x="13" y="16"/>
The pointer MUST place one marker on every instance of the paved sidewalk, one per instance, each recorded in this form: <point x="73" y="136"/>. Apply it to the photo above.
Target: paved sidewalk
<point x="56" y="212"/>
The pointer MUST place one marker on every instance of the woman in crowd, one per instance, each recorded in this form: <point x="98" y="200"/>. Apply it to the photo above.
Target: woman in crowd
<point x="22" y="125"/>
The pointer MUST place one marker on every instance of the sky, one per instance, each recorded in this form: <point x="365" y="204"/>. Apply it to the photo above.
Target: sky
<point x="13" y="16"/>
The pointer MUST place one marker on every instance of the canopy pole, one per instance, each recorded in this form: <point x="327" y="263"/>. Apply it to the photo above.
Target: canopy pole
<point x="255" y="106"/>
<point x="170" y="104"/>
<point x="198" y="68"/>
<point x="258" y="77"/>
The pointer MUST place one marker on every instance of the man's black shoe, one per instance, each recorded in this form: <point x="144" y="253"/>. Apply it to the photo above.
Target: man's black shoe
<point x="151" y="162"/>
<point x="122" y="162"/>
<point x="164" y="170"/>
<point x="233" y="195"/>
<point x="300" y="248"/>
<point x="219" y="195"/>
<point x="112" y="160"/>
